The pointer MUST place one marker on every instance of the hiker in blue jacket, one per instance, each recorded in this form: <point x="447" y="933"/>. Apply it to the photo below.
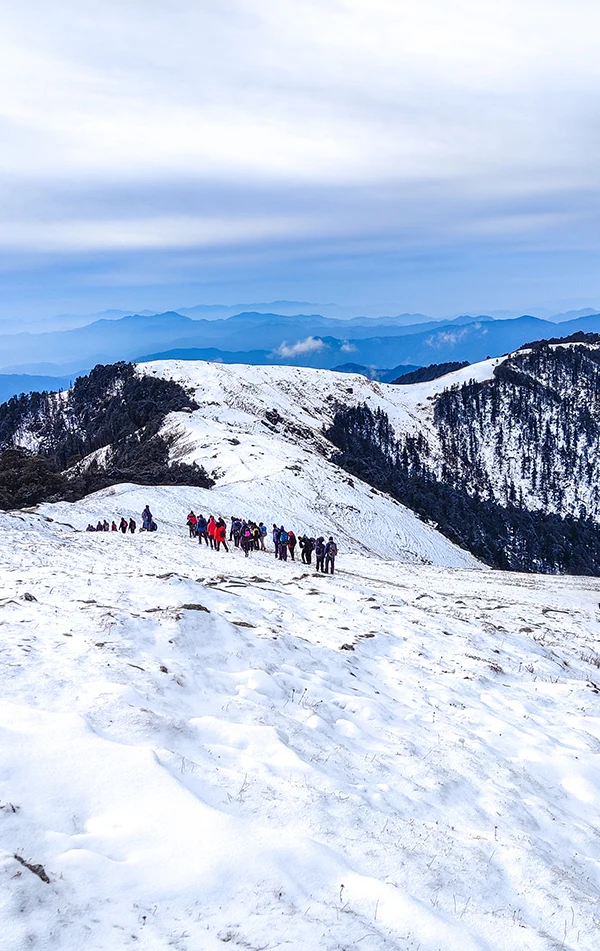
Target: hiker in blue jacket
<point x="202" y="530"/>
<point x="276" y="539"/>
<point x="263" y="531"/>
<point x="283" y="544"/>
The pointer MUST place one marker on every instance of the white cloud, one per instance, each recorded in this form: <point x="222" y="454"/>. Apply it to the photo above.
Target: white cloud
<point x="150" y="233"/>
<point x="348" y="347"/>
<point x="309" y="345"/>
<point x="445" y="337"/>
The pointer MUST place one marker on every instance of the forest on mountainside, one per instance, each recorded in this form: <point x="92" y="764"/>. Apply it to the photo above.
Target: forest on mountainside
<point x="111" y="407"/>
<point x="502" y="536"/>
<point x="431" y="372"/>
<point x="530" y="436"/>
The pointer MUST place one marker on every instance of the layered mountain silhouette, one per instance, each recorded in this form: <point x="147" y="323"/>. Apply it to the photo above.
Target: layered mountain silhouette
<point x="279" y="339"/>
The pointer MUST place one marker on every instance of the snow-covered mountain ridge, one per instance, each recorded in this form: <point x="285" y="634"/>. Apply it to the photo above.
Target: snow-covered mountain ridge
<point x="523" y="429"/>
<point x="202" y="751"/>
<point x="520" y="431"/>
<point x="294" y="404"/>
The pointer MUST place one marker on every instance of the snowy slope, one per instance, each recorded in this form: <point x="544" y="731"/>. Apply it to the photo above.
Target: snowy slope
<point x="305" y="399"/>
<point x="258" y="433"/>
<point x="417" y="398"/>
<point x="204" y="751"/>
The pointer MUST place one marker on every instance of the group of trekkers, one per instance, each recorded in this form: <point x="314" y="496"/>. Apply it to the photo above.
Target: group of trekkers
<point x="245" y="534"/>
<point x="250" y="536"/>
<point x="124" y="526"/>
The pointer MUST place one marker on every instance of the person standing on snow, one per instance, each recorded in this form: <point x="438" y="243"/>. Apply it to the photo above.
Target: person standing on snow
<point x="123" y="525"/>
<point x="220" y="535"/>
<point x="320" y="554"/>
<point x="283" y="544"/>
<point x="263" y="531"/>
<point x="330" y="554"/>
<point x="146" y="519"/>
<point x="291" y="545"/>
<point x="276" y="540"/>
<point x="236" y="532"/>
<point x="211" y="530"/>
<point x="192" y="521"/>
<point x="246" y="539"/>
<point x="201" y="530"/>
<point x="132" y="526"/>
<point x="308" y="546"/>
<point x="113" y="527"/>
<point x="255" y="536"/>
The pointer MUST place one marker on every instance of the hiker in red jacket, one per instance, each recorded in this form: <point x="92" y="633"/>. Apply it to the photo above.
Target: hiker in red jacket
<point x="221" y="535"/>
<point x="211" y="530"/>
<point x="192" y="521"/>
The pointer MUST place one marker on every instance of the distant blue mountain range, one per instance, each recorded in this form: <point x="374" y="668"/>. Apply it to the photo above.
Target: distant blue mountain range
<point x="415" y="346"/>
<point x="271" y="338"/>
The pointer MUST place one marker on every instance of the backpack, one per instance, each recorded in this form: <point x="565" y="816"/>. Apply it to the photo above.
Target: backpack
<point x="332" y="549"/>
<point x="319" y="549"/>
<point x="283" y="538"/>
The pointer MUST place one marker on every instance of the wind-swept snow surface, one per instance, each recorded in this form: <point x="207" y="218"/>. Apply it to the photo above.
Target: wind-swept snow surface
<point x="202" y="751"/>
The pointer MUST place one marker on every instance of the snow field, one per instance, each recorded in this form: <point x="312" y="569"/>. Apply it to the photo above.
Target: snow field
<point x="207" y="751"/>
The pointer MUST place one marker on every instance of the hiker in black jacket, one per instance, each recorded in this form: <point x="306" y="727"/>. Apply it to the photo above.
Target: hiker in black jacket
<point x="330" y="553"/>
<point x="236" y="532"/>
<point x="308" y="546"/>
<point x="146" y="519"/>
<point x="320" y="554"/>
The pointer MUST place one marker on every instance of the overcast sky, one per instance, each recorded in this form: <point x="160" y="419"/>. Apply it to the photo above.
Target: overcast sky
<point x="440" y="156"/>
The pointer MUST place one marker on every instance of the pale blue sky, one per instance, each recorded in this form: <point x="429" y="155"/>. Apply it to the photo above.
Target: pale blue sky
<point x="439" y="157"/>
